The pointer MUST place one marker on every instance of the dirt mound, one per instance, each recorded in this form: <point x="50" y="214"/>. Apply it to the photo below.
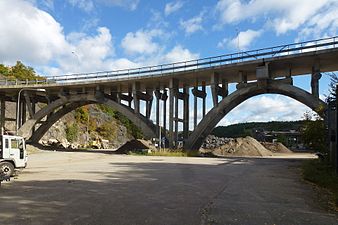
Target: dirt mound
<point x="276" y="147"/>
<point x="242" y="147"/>
<point x="134" y="145"/>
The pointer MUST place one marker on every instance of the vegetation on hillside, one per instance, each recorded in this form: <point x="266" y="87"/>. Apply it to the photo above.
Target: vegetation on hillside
<point x="18" y="71"/>
<point x="245" y="129"/>
<point x="100" y="121"/>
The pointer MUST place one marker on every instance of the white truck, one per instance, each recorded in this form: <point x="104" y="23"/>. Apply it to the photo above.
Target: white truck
<point x="13" y="154"/>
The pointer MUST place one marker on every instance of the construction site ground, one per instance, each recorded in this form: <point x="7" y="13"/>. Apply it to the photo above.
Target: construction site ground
<point x="68" y="188"/>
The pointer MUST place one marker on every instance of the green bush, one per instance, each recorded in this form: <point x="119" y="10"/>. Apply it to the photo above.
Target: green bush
<point x="72" y="132"/>
<point x="322" y="174"/>
<point x="131" y="127"/>
<point x="82" y="115"/>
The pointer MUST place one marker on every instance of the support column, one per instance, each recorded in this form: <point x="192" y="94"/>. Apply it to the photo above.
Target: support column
<point x="176" y="116"/>
<point x="186" y="112"/>
<point x="23" y="120"/>
<point x="173" y="88"/>
<point x="195" y="105"/>
<point x="214" y="87"/>
<point x="157" y="95"/>
<point x="165" y="97"/>
<point x="33" y="111"/>
<point x="204" y="98"/>
<point x="149" y="103"/>
<point x="136" y="89"/>
<point x="2" y="116"/>
<point x="315" y="76"/>
<point x="18" y="115"/>
<point x="118" y="94"/>
<point x="130" y="95"/>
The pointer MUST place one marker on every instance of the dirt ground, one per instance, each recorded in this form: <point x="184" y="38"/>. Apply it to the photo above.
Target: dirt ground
<point x="68" y="188"/>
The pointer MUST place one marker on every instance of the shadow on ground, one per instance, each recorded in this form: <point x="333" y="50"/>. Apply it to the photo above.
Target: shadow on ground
<point x="233" y="191"/>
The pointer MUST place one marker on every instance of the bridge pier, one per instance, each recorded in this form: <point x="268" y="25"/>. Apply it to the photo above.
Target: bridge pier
<point x="315" y="77"/>
<point x="199" y="94"/>
<point x="2" y="116"/>
<point x="174" y="120"/>
<point x="217" y="90"/>
<point x="160" y="96"/>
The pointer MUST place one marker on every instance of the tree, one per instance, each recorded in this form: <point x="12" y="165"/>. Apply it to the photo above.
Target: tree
<point x="314" y="132"/>
<point x="19" y="71"/>
<point x="332" y="87"/>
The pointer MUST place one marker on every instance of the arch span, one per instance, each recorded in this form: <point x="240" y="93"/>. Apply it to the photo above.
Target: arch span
<point x="43" y="128"/>
<point x="208" y="123"/>
<point x="147" y="128"/>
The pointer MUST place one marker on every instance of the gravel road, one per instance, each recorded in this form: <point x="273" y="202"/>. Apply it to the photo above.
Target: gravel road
<point x="67" y="188"/>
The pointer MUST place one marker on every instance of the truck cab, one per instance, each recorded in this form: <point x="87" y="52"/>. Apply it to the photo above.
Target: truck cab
<point x="13" y="154"/>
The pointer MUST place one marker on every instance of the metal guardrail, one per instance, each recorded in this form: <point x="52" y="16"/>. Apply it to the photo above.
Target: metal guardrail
<point x="191" y="65"/>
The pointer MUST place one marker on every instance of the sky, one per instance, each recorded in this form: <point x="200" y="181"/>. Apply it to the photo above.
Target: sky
<point x="70" y="36"/>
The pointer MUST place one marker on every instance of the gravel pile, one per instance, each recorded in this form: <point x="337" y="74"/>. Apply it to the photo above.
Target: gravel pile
<point x="247" y="146"/>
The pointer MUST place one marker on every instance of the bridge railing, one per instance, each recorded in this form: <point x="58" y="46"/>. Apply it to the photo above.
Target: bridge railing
<point x="199" y="64"/>
<point x="6" y="82"/>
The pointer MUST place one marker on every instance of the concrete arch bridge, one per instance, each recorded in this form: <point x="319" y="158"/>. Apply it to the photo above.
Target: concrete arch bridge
<point x="167" y="89"/>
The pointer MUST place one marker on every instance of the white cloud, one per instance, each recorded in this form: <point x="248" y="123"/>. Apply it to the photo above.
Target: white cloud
<point x="271" y="108"/>
<point x="141" y="42"/>
<point x="192" y="25"/>
<point x="88" y="53"/>
<point x="179" y="54"/>
<point x="36" y="37"/>
<point x="39" y="41"/>
<point x="85" y="5"/>
<point x="241" y="41"/>
<point x="283" y="15"/>
<point x="172" y="7"/>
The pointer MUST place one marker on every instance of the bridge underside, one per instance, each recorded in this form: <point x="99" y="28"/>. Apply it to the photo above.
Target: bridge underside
<point x="172" y="98"/>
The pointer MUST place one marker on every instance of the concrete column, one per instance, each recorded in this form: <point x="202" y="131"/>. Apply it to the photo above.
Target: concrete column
<point x="33" y="102"/>
<point x="136" y="89"/>
<point x="204" y="99"/>
<point x="18" y="115"/>
<point x="225" y="88"/>
<point x="2" y="116"/>
<point x="315" y="76"/>
<point x="195" y="106"/>
<point x="242" y="77"/>
<point x="171" y="117"/>
<point x="165" y="97"/>
<point x="186" y="112"/>
<point x="214" y="87"/>
<point x="176" y="116"/>
<point x="157" y="95"/>
<point x="130" y="95"/>
<point x="118" y="94"/>
<point x="173" y="86"/>
<point x="149" y="103"/>
<point x="23" y="112"/>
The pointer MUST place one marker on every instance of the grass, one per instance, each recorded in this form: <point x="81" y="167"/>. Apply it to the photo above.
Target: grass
<point x="166" y="152"/>
<point x="323" y="175"/>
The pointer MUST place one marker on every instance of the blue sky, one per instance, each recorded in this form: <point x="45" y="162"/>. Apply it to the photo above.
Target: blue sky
<point x="58" y="37"/>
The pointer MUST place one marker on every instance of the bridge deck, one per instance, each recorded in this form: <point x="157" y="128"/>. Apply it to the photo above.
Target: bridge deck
<point x="294" y="59"/>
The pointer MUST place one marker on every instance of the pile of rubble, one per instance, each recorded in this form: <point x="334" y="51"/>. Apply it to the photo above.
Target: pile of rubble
<point x="247" y="146"/>
<point x="212" y="142"/>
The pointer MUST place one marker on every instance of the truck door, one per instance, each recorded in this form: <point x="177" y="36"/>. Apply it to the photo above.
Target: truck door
<point x="5" y="147"/>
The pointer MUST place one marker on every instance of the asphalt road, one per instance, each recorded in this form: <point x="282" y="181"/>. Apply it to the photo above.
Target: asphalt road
<point x="60" y="188"/>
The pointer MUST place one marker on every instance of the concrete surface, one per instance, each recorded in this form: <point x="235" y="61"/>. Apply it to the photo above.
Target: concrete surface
<point x="65" y="188"/>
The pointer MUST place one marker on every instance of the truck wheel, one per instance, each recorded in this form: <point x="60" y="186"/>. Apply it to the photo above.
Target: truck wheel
<point x="7" y="169"/>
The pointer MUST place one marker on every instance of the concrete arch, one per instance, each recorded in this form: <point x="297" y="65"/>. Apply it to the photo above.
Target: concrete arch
<point x="38" y="134"/>
<point x="212" y="118"/>
<point x="143" y="123"/>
